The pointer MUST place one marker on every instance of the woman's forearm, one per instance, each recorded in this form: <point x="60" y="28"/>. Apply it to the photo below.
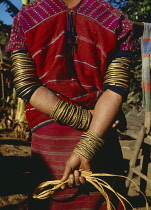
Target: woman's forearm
<point x="104" y="114"/>
<point x="61" y="111"/>
<point x="44" y="100"/>
<point x="105" y="111"/>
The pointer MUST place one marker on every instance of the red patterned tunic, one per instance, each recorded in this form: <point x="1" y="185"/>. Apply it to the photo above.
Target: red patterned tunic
<point x="101" y="32"/>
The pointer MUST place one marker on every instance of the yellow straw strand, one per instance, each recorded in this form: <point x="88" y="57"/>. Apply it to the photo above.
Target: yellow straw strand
<point x="98" y="183"/>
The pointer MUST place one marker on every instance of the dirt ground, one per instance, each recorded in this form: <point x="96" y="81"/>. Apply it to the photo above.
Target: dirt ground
<point x="135" y="120"/>
<point x="15" y="168"/>
<point x="14" y="173"/>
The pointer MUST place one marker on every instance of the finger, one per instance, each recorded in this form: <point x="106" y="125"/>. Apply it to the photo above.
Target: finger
<point x="76" y="176"/>
<point x="82" y="179"/>
<point x="71" y="180"/>
<point x="63" y="186"/>
<point x="66" y="173"/>
<point x="115" y="123"/>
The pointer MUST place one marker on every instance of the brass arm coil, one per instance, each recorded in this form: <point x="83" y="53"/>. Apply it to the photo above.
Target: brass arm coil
<point x="68" y="114"/>
<point x="24" y="73"/>
<point x="118" y="73"/>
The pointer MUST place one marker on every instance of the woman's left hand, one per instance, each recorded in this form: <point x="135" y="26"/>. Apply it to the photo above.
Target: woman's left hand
<point x="73" y="165"/>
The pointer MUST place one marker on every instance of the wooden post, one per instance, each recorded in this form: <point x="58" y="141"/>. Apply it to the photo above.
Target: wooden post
<point x="134" y="157"/>
<point x="147" y="122"/>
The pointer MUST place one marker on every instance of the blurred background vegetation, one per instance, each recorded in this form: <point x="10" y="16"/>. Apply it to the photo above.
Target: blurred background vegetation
<point x="135" y="10"/>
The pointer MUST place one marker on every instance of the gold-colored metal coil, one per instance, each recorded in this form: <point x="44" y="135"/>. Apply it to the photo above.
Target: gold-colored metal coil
<point x="69" y="114"/>
<point x="90" y="143"/>
<point x="24" y="73"/>
<point x="117" y="73"/>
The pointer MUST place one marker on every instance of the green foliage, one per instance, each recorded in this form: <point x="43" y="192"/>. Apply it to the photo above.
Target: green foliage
<point x="136" y="10"/>
<point x="4" y="33"/>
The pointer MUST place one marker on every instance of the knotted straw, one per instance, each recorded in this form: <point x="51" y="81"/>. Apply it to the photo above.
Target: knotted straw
<point x="98" y="183"/>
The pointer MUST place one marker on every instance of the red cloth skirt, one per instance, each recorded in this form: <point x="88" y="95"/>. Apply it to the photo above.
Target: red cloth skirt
<point x="51" y="147"/>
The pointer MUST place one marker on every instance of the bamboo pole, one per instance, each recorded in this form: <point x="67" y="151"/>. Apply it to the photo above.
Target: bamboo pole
<point x="134" y="157"/>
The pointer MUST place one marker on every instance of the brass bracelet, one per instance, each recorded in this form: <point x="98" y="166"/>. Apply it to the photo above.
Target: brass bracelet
<point x="89" y="145"/>
<point x="68" y="114"/>
<point x="118" y="73"/>
<point x="24" y="73"/>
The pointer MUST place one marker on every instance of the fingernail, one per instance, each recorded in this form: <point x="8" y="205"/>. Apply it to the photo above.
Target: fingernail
<point x="76" y="173"/>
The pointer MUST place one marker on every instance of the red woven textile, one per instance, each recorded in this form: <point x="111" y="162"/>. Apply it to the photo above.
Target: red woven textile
<point x="101" y="31"/>
<point x="51" y="147"/>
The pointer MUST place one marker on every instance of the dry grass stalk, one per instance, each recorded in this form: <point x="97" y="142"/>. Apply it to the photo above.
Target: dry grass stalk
<point x="98" y="183"/>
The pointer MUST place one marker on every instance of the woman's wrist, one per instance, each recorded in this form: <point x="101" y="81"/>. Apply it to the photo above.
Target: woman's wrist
<point x="68" y="114"/>
<point x="90" y="144"/>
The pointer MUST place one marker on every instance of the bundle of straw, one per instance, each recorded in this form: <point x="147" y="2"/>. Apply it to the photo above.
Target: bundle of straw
<point x="98" y="183"/>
